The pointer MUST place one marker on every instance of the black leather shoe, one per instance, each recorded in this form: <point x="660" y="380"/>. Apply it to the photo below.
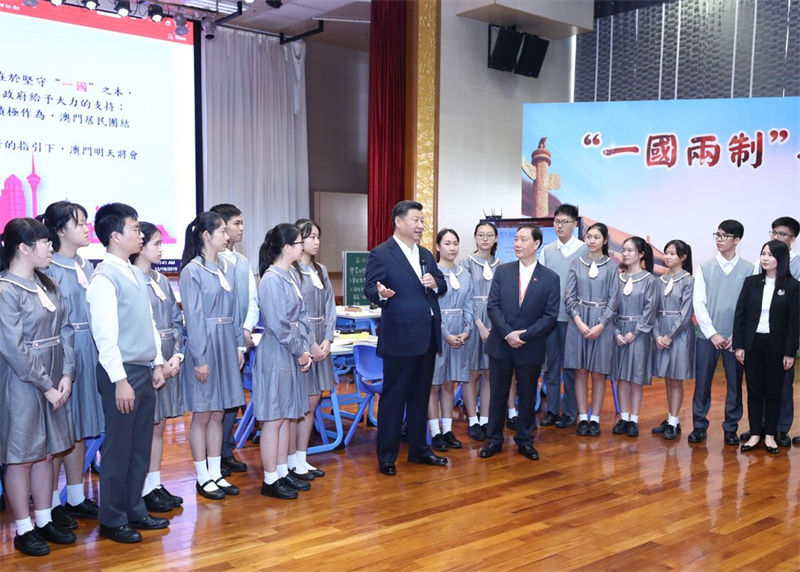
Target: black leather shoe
<point x="773" y="450"/>
<point x="233" y="464"/>
<point x="783" y="439"/>
<point x="86" y="509"/>
<point x="432" y="460"/>
<point x="318" y="473"/>
<point x="731" y="438"/>
<point x="565" y="422"/>
<point x="212" y="494"/>
<point x="307" y="476"/>
<point x="148" y="522"/>
<point x="225" y="471"/>
<point x="124" y="533"/>
<point x="620" y="428"/>
<point x="51" y="532"/>
<point x="583" y="428"/>
<point x="670" y="432"/>
<point x="594" y="429"/>
<point x="297" y="484"/>
<point x="475" y="433"/>
<point x="633" y="429"/>
<point x="512" y="423"/>
<point x="490" y="450"/>
<point x="451" y="440"/>
<point x="387" y="469"/>
<point x="528" y="452"/>
<point x="62" y="519"/>
<point x="176" y="500"/>
<point x="796" y="440"/>
<point x="744" y="448"/>
<point x="156" y="502"/>
<point x="228" y="489"/>
<point x="278" y="490"/>
<point x="438" y="443"/>
<point x="697" y="436"/>
<point x="31" y="544"/>
<point x="549" y="419"/>
<point x="660" y="428"/>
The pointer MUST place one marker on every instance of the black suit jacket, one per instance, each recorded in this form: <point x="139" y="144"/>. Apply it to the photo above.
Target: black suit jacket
<point x="784" y="316"/>
<point x="537" y="315"/>
<point x="406" y="316"/>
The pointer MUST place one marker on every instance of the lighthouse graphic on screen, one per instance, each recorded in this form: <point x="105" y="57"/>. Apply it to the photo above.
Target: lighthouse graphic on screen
<point x="14" y="205"/>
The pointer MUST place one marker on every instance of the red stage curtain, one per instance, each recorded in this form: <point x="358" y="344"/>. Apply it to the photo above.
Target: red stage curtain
<point x="385" y="165"/>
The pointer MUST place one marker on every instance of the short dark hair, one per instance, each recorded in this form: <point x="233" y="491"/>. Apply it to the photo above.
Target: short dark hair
<point x="57" y="216"/>
<point x="789" y="222"/>
<point x="536" y="232"/>
<point x="731" y="226"/>
<point x="111" y="218"/>
<point x="401" y="209"/>
<point x="226" y="211"/>
<point x="494" y="228"/>
<point x="566" y="209"/>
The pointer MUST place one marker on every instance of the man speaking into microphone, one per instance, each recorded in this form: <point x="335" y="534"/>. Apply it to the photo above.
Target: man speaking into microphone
<point x="404" y="280"/>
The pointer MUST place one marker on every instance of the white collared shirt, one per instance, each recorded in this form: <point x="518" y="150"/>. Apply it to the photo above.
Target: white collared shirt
<point x="525" y="275"/>
<point x="411" y="254"/>
<point x="766" y="302"/>
<point x="251" y="319"/>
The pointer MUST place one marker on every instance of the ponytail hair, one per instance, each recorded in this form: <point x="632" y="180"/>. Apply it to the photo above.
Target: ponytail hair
<point x="56" y="217"/>
<point x="643" y="248"/>
<point x="440" y="236"/>
<point x="148" y="229"/>
<point x="306" y="227"/>
<point x="193" y="247"/>
<point x="602" y="229"/>
<point x="276" y="238"/>
<point x="24" y="231"/>
<point x="682" y="249"/>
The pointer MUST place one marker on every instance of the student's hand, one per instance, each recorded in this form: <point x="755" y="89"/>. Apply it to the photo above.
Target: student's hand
<point x="582" y="327"/>
<point x="316" y="352"/>
<point x="158" y="377"/>
<point x="514" y="339"/>
<point x="240" y="357"/>
<point x="55" y="398"/>
<point x="740" y="356"/>
<point x="201" y="372"/>
<point x="124" y="395"/>
<point x="788" y="363"/>
<point x="452" y="341"/>
<point x="248" y="338"/>
<point x="719" y="342"/>
<point x="620" y="340"/>
<point x="325" y="346"/>
<point x="65" y="386"/>
<point x="594" y="332"/>
<point x="384" y="292"/>
<point x="483" y="331"/>
<point x="629" y="337"/>
<point x="305" y="362"/>
<point x="666" y="341"/>
<point x="174" y="365"/>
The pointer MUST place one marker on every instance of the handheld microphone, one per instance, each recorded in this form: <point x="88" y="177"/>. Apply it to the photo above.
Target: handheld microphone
<point x="423" y="267"/>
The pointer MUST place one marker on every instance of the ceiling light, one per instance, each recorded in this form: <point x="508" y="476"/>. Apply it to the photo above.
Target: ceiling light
<point x="209" y="27"/>
<point x="155" y="12"/>
<point x="90" y="4"/>
<point x="180" y="24"/>
<point x="249" y="1"/>
<point x="122" y="7"/>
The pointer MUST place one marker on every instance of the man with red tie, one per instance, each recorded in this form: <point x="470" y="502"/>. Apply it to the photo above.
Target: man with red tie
<point x="523" y="307"/>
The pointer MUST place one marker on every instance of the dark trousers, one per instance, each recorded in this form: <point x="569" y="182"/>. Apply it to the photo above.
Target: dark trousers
<point x="126" y="447"/>
<point x="787" y="402"/>
<point x="406" y="387"/>
<point x="552" y="378"/>
<point x="228" y="444"/>
<point x="706" y="357"/>
<point x="500" y="372"/>
<point x="764" y="373"/>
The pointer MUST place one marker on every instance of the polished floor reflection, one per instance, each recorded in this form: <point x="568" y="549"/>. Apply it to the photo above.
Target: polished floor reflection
<point x="611" y="502"/>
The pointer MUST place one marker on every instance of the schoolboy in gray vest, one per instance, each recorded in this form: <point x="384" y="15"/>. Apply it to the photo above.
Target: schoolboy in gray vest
<point x="129" y="371"/>
<point x="558" y="256"/>
<point x="716" y="290"/>
<point x="248" y="309"/>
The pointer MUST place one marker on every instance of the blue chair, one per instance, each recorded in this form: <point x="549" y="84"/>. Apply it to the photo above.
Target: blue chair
<point x="368" y="376"/>
<point x="93" y="445"/>
<point x="246" y="421"/>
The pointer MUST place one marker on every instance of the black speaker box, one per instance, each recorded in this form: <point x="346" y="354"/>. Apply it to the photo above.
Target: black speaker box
<point x="531" y="58"/>
<point x="506" y="47"/>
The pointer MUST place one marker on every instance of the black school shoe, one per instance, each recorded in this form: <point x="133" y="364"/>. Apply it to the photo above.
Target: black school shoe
<point x="155" y="501"/>
<point x="51" y="532"/>
<point x="62" y="519"/>
<point x="31" y="544"/>
<point x="86" y="509"/>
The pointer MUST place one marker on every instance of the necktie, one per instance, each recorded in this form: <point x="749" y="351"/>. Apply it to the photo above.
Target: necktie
<point x="487" y="271"/>
<point x="46" y="302"/>
<point x="315" y="279"/>
<point x="628" y="287"/>
<point x="668" y="289"/>
<point x="593" y="270"/>
<point x="223" y="281"/>
<point x="454" y="283"/>
<point x="157" y="289"/>
<point x="81" y="275"/>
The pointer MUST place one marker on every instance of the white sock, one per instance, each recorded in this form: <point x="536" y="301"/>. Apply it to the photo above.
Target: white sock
<point x="625" y="416"/>
<point x="473" y="421"/>
<point x="214" y="467"/>
<point x="292" y="461"/>
<point x="148" y="485"/>
<point x="673" y="420"/>
<point x="483" y="420"/>
<point x="23" y="525"/>
<point x="42" y="517"/>
<point x="512" y="412"/>
<point x="270" y="478"/>
<point x="635" y="418"/>
<point x="297" y="465"/>
<point x="56" y="499"/>
<point x="595" y="418"/>
<point x="75" y="494"/>
<point x="283" y="470"/>
<point x="447" y="424"/>
<point x="202" y="475"/>
<point x="583" y="417"/>
<point x="433" y="425"/>
<point x="155" y="478"/>
<point x="302" y="459"/>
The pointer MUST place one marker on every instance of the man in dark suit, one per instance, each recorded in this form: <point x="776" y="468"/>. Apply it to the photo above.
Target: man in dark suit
<point x="523" y="307"/>
<point x="404" y="280"/>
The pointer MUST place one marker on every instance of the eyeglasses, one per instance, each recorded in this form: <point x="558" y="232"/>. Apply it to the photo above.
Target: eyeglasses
<point x="780" y="234"/>
<point x="563" y="221"/>
<point x="44" y="242"/>
<point x="296" y="243"/>
<point x="718" y="236"/>
<point x="482" y="236"/>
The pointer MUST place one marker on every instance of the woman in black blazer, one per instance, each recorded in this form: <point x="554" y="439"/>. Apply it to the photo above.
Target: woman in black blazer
<point x="766" y="327"/>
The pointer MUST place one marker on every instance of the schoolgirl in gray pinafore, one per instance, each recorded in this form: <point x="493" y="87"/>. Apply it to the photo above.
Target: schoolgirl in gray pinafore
<point x="210" y="310"/>
<point x="87" y="408"/>
<point x="278" y="392"/>
<point x="594" y="299"/>
<point x="35" y="352"/>
<point x="636" y="312"/>
<point x="674" y="319"/>
<point x="481" y="273"/>
<point x="321" y="310"/>
<point x="169" y="323"/>
<point x="456" y="308"/>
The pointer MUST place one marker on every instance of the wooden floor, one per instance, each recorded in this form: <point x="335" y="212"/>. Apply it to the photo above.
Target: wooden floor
<point x="609" y="503"/>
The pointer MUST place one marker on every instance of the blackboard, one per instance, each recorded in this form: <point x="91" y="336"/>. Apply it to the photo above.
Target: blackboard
<point x="354" y="268"/>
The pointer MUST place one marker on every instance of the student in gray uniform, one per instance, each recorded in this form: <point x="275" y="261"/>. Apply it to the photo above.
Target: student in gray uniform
<point x="169" y="398"/>
<point x="128" y="374"/>
<point x="246" y="297"/>
<point x="315" y="286"/>
<point x="69" y="232"/>
<point x="591" y="298"/>
<point x="558" y="256"/>
<point x="36" y="369"/>
<point x="717" y="283"/>
<point x="636" y="313"/>
<point x="673" y="332"/>
<point x="452" y="365"/>
<point x="214" y="353"/>
<point x="481" y="266"/>
<point x="279" y="395"/>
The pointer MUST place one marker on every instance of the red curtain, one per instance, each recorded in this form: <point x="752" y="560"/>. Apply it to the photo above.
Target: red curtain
<point x="385" y="166"/>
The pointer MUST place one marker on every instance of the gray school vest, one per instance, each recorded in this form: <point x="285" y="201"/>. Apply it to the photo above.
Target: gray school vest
<point x="794" y="267"/>
<point x="722" y="292"/>
<point x="135" y="340"/>
<point x="241" y="276"/>
<point x="555" y="261"/>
